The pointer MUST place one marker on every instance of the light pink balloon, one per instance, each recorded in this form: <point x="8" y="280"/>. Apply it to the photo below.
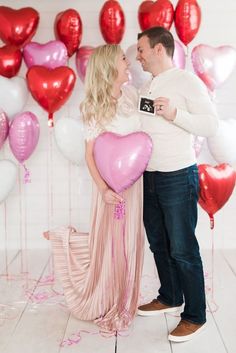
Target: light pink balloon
<point x="4" y="127"/>
<point x="179" y="59"/>
<point x="197" y="145"/>
<point x="23" y="135"/>
<point x="121" y="160"/>
<point x="213" y="65"/>
<point x="81" y="60"/>
<point x="51" y="55"/>
<point x="137" y="75"/>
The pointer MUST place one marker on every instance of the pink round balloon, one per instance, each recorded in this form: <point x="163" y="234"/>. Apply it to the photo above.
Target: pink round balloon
<point x="179" y="58"/>
<point x="81" y="60"/>
<point x="213" y="65"/>
<point x="121" y="160"/>
<point x="51" y="55"/>
<point x="23" y="135"/>
<point x="4" y="127"/>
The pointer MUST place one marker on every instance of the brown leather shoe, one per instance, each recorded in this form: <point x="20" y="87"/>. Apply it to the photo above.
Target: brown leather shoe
<point x="156" y="308"/>
<point x="185" y="331"/>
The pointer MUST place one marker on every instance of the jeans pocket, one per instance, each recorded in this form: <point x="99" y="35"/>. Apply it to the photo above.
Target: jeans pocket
<point x="194" y="183"/>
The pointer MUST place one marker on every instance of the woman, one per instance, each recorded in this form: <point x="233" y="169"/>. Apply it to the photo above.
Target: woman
<point x="101" y="271"/>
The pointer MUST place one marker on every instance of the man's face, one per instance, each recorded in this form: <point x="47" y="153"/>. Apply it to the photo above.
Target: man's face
<point x="145" y="54"/>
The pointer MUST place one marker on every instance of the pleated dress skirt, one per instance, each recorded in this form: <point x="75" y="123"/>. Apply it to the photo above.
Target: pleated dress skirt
<point x="100" y="271"/>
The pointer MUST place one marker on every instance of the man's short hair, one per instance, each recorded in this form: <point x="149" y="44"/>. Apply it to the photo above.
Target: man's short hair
<point x="160" y="35"/>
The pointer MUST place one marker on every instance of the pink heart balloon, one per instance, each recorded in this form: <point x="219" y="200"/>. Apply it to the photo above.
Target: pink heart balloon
<point x="213" y="65"/>
<point x="179" y="58"/>
<point x="197" y="145"/>
<point x="81" y="60"/>
<point x="121" y="160"/>
<point x="23" y="135"/>
<point x="51" y="55"/>
<point x="4" y="127"/>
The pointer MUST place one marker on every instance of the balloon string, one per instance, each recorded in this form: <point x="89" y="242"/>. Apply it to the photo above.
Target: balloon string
<point x="25" y="250"/>
<point x="212" y="222"/>
<point x="50" y="120"/>
<point x="6" y="236"/>
<point x="21" y="218"/>
<point x="26" y="175"/>
<point x="50" y="193"/>
<point x="23" y="225"/>
<point x="69" y="192"/>
<point x="213" y="272"/>
<point x="50" y="181"/>
<point x="187" y="51"/>
<point x="119" y="212"/>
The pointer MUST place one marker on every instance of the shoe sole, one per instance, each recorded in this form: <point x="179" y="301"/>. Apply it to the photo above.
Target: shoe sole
<point x="157" y="312"/>
<point x="186" y="338"/>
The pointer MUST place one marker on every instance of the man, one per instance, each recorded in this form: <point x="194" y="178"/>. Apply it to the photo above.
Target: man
<point x="183" y="109"/>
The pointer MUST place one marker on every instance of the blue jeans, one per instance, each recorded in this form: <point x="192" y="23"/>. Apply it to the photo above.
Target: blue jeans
<point x="170" y="217"/>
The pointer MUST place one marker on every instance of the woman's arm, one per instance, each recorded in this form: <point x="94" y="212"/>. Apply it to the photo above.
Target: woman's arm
<point x="108" y="195"/>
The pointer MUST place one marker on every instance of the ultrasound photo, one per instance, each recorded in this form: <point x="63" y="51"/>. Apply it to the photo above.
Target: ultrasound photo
<point x="146" y="106"/>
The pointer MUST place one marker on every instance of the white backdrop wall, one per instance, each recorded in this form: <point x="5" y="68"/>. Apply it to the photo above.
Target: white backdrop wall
<point x="59" y="192"/>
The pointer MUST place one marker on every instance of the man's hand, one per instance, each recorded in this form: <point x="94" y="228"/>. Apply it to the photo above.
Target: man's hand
<point x="164" y="108"/>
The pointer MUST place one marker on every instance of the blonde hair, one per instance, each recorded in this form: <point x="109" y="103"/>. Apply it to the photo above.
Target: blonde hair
<point x="100" y="76"/>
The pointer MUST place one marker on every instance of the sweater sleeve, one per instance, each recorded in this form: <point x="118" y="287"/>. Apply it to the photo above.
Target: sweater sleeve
<point x="200" y="117"/>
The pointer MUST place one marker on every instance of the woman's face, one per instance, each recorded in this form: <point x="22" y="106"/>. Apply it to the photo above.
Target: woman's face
<point x="122" y="68"/>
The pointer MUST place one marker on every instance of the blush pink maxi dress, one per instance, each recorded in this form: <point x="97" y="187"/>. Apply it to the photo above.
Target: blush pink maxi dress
<point x="100" y="271"/>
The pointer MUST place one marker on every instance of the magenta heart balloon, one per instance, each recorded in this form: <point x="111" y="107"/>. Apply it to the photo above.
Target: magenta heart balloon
<point x="51" y="55"/>
<point x="179" y="58"/>
<point x="4" y="127"/>
<point x="121" y="160"/>
<point x="213" y="65"/>
<point x="23" y="135"/>
<point x="81" y="60"/>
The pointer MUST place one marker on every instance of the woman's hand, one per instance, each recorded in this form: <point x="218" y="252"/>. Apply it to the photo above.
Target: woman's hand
<point x="110" y="197"/>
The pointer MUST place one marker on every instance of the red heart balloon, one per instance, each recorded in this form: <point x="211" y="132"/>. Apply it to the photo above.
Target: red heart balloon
<point x="187" y="20"/>
<point x="18" y="26"/>
<point x="68" y="28"/>
<point x="216" y="186"/>
<point x="10" y="60"/>
<point x="112" y="22"/>
<point x="158" y="13"/>
<point x="51" y="88"/>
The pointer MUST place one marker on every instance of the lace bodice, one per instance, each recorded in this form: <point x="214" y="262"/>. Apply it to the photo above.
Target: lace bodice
<point x="126" y="120"/>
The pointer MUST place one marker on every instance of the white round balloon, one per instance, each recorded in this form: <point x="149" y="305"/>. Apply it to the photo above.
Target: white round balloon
<point x="223" y="145"/>
<point x="69" y="138"/>
<point x="8" y="172"/>
<point x="13" y="95"/>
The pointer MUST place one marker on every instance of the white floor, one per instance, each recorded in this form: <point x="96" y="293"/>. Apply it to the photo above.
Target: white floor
<point x="34" y="318"/>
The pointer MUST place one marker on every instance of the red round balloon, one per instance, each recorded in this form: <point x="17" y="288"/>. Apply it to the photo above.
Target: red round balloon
<point x="69" y="29"/>
<point x="157" y="13"/>
<point x="51" y="88"/>
<point x="216" y="186"/>
<point x="10" y="60"/>
<point x="187" y="20"/>
<point x="18" y="26"/>
<point x="112" y="22"/>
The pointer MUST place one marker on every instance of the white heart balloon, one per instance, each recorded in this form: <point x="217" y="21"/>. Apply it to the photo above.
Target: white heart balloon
<point x="13" y="95"/>
<point x="8" y="172"/>
<point x="223" y="145"/>
<point x="137" y="76"/>
<point x="69" y="138"/>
